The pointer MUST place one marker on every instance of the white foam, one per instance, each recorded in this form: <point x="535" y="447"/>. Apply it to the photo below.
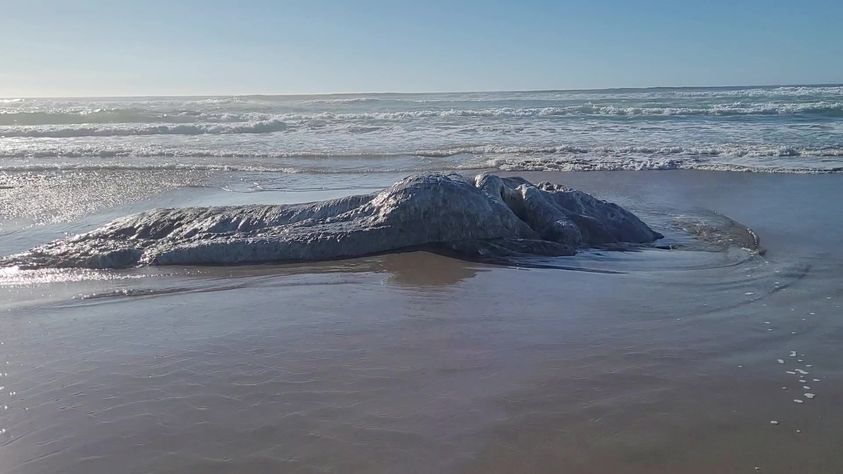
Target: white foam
<point x="793" y="129"/>
<point x="118" y="130"/>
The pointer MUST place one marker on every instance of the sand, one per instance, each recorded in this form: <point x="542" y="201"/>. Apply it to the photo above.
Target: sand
<point x="639" y="362"/>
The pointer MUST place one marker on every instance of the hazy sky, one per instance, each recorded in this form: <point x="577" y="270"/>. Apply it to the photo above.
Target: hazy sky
<point x="157" y="47"/>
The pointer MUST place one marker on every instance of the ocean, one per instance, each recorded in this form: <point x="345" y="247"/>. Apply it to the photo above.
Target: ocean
<point x="701" y="355"/>
<point x="776" y="129"/>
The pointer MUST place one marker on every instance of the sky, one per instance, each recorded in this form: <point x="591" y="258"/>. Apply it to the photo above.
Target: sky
<point x="155" y="47"/>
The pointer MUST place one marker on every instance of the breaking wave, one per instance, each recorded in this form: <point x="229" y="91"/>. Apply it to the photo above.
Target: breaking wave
<point x="268" y="126"/>
<point x="550" y="158"/>
<point x="107" y="151"/>
<point x="718" y="150"/>
<point x="787" y="128"/>
<point x="130" y="116"/>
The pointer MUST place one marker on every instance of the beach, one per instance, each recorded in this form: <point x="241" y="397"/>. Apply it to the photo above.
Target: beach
<point x="402" y="237"/>
<point x="683" y="360"/>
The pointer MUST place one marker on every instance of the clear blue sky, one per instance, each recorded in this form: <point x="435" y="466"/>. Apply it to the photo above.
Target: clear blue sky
<point x="157" y="47"/>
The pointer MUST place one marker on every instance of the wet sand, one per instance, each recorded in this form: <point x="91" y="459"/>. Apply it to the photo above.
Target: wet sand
<point x="653" y="361"/>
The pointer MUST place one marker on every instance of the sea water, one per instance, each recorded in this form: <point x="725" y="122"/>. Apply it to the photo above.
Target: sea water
<point x="787" y="128"/>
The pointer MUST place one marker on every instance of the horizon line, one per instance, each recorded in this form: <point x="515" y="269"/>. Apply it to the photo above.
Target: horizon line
<point x="488" y="91"/>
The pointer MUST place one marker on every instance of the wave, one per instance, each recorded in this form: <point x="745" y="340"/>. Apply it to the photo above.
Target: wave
<point x="715" y="150"/>
<point x="540" y="158"/>
<point x="736" y="151"/>
<point x="649" y="164"/>
<point x="130" y="115"/>
<point x="205" y="118"/>
<point x="47" y="117"/>
<point x="737" y="108"/>
<point x="779" y="91"/>
<point x="500" y="164"/>
<point x="268" y="126"/>
<point x="772" y="92"/>
<point x="345" y="100"/>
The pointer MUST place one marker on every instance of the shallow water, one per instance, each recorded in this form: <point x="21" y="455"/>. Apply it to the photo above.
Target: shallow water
<point x="647" y="361"/>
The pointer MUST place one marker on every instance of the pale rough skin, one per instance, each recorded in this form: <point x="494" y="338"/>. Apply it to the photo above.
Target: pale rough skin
<point x="487" y="217"/>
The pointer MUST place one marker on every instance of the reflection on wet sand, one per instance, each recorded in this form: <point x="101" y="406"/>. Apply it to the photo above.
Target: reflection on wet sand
<point x="425" y="269"/>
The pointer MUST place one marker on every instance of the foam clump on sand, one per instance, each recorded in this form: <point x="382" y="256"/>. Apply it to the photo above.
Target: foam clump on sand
<point x="484" y="217"/>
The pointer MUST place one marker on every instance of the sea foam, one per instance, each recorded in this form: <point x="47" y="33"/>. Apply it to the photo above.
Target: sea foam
<point x="771" y="129"/>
